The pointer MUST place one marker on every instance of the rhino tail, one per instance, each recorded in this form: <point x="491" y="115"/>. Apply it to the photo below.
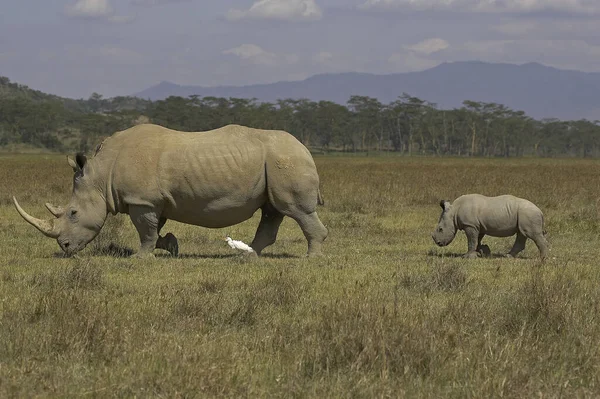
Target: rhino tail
<point x="544" y="231"/>
<point x="320" y="200"/>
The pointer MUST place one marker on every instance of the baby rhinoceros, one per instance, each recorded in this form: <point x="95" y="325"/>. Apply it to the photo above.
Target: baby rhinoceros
<point x="501" y="216"/>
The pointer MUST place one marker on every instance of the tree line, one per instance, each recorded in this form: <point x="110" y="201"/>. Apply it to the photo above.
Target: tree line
<point x="409" y="125"/>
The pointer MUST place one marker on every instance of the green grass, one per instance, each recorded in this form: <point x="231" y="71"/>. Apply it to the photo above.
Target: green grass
<point x="385" y="313"/>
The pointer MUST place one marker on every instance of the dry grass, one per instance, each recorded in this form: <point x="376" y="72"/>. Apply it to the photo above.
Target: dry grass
<point x="384" y="314"/>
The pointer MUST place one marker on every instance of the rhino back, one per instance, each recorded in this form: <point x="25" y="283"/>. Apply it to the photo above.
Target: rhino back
<point x="209" y="178"/>
<point x="496" y="216"/>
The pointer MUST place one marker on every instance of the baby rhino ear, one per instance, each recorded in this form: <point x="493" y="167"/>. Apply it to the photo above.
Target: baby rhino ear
<point x="445" y="204"/>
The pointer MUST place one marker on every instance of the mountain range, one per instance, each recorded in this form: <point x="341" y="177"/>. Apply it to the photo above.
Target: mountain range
<point x="541" y="91"/>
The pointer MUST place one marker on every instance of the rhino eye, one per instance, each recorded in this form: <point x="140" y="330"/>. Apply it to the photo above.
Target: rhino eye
<point x="73" y="212"/>
<point x="440" y="229"/>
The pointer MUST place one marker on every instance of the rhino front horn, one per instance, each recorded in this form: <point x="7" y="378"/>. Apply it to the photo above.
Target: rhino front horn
<point x="45" y="226"/>
<point x="57" y="211"/>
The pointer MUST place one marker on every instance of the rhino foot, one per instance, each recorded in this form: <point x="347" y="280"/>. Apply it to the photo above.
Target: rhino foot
<point x="315" y="255"/>
<point x="471" y="255"/>
<point x="142" y="255"/>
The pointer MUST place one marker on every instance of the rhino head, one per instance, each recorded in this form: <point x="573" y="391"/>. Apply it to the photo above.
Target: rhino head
<point x="82" y="219"/>
<point x="445" y="230"/>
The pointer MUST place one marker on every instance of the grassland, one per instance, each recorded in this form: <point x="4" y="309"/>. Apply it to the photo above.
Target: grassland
<point x="384" y="314"/>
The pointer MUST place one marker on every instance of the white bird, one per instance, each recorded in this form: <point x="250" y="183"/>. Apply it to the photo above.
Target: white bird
<point x="236" y="244"/>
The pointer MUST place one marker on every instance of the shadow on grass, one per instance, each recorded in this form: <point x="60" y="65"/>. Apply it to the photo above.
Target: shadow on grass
<point x="432" y="252"/>
<point x="113" y="250"/>
<point x="229" y="256"/>
<point x="117" y="251"/>
<point x="197" y="256"/>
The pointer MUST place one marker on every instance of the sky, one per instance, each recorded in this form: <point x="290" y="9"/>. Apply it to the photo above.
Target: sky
<point x="74" y="48"/>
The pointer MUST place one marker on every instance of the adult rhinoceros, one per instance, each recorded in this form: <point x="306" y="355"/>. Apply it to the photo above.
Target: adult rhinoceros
<point x="212" y="179"/>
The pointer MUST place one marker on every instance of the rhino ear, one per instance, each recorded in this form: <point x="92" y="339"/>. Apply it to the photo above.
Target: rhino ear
<point x="78" y="163"/>
<point x="73" y="164"/>
<point x="445" y="205"/>
<point x="81" y="160"/>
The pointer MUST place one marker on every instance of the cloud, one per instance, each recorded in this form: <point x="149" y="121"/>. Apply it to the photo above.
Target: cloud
<point x="95" y="9"/>
<point x="323" y="58"/>
<point x="6" y="56"/>
<point x="409" y="62"/>
<point x="111" y="55"/>
<point x="516" y="28"/>
<point x="120" y="19"/>
<point x="301" y="10"/>
<point x="90" y="9"/>
<point x="155" y="2"/>
<point x="429" y="46"/>
<point x="120" y="55"/>
<point x="415" y="57"/>
<point x="486" y="48"/>
<point x="561" y="28"/>
<point x="566" y="54"/>
<point x="258" y="56"/>
<point x="510" y="6"/>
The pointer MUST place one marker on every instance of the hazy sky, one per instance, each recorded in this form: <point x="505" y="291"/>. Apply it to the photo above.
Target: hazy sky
<point x="118" y="47"/>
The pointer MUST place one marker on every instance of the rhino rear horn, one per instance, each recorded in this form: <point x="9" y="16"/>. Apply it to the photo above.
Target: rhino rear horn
<point x="57" y="211"/>
<point x="47" y="227"/>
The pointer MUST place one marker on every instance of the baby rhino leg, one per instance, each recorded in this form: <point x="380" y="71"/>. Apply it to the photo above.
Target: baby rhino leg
<point x="482" y="249"/>
<point x="531" y="225"/>
<point x="168" y="242"/>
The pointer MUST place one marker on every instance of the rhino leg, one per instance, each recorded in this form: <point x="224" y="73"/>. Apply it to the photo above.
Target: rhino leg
<point x="518" y="246"/>
<point x="473" y="242"/>
<point x="542" y="244"/>
<point x="266" y="233"/>
<point x="146" y="221"/>
<point x="168" y="242"/>
<point x="313" y="230"/>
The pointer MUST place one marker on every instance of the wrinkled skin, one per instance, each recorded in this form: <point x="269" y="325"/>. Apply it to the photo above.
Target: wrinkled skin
<point x="501" y="216"/>
<point x="212" y="179"/>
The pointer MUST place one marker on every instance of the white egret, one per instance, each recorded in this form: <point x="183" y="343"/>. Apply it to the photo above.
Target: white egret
<point x="239" y="245"/>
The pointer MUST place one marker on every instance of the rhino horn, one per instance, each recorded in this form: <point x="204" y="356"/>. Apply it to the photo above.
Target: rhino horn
<point x="45" y="226"/>
<point x="57" y="211"/>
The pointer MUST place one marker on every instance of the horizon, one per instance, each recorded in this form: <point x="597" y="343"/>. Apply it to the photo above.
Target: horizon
<point x="166" y="82"/>
<point x="368" y="73"/>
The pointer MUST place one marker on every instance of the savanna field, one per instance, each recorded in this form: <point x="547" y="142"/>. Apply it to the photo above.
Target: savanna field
<point x="385" y="313"/>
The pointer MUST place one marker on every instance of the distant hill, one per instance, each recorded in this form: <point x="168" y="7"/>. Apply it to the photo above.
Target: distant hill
<point x="11" y="90"/>
<point x="539" y="90"/>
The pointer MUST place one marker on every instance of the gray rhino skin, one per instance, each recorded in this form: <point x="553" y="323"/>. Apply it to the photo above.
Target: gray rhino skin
<point x="212" y="179"/>
<point x="501" y="216"/>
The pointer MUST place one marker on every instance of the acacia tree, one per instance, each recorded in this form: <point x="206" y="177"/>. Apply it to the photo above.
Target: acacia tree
<point x="367" y="115"/>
